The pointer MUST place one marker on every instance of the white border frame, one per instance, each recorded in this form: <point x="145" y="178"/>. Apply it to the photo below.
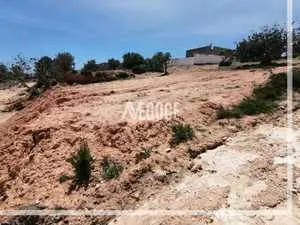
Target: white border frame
<point x="290" y="122"/>
<point x="222" y="213"/>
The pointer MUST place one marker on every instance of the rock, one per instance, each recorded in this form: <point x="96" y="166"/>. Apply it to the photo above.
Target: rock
<point x="233" y="129"/>
<point x="197" y="167"/>
<point x="224" y="139"/>
<point x="160" y="175"/>
<point x="100" y="195"/>
<point x="136" y="196"/>
<point x="191" y="165"/>
<point x="168" y="150"/>
<point x="38" y="135"/>
<point x="294" y="191"/>
<point x="269" y="218"/>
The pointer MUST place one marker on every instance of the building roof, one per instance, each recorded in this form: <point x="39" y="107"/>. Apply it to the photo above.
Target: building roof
<point x="208" y="50"/>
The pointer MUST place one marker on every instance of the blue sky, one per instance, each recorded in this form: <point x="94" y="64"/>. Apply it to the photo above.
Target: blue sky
<point x="101" y="29"/>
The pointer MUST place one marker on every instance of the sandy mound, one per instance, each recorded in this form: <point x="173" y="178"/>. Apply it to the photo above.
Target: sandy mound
<point x="36" y="141"/>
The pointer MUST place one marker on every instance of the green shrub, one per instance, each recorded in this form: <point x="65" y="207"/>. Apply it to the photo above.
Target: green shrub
<point x="19" y="106"/>
<point x="42" y="69"/>
<point x="265" y="45"/>
<point x="82" y="164"/>
<point x="144" y="154"/>
<point x="296" y="80"/>
<point x="264" y="98"/>
<point x="89" y="67"/>
<point x="3" y="72"/>
<point x="139" y="69"/>
<point x="122" y="75"/>
<point x="132" y="59"/>
<point x="225" y="62"/>
<point x="104" y="76"/>
<point x="254" y="106"/>
<point x="193" y="153"/>
<point x="110" y="169"/>
<point x="64" y="178"/>
<point x="181" y="133"/>
<point x="35" y="91"/>
<point x="159" y="62"/>
<point x="113" y="64"/>
<point x="63" y="62"/>
<point x="223" y="113"/>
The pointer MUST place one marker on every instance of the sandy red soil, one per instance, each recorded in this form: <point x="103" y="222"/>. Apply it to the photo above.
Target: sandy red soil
<point x="65" y="115"/>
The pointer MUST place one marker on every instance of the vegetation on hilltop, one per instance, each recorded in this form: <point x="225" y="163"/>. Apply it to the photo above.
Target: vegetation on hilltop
<point x="267" y="45"/>
<point x="264" y="99"/>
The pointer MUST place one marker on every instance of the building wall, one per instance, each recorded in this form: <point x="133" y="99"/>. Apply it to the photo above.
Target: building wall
<point x="197" y="60"/>
<point x="207" y="50"/>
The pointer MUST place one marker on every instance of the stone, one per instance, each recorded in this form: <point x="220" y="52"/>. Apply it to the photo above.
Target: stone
<point x="197" y="167"/>
<point x="160" y="175"/>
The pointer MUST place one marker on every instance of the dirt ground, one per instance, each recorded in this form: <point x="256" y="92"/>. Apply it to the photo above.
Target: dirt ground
<point x="236" y="169"/>
<point x="9" y="95"/>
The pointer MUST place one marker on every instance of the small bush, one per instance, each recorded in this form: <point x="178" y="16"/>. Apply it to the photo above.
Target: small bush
<point x="29" y="220"/>
<point x="122" y="75"/>
<point x="64" y="178"/>
<point x="258" y="66"/>
<point x="181" y="133"/>
<point x="296" y="80"/>
<point x="193" y="153"/>
<point x="19" y="106"/>
<point x="225" y="62"/>
<point x="35" y="92"/>
<point x="104" y="76"/>
<point x="113" y="64"/>
<point x="145" y="154"/>
<point x="82" y="164"/>
<point x="248" y="106"/>
<point x="139" y="69"/>
<point x="110" y="169"/>
<point x="264" y="98"/>
<point x="254" y="106"/>
<point x="223" y="113"/>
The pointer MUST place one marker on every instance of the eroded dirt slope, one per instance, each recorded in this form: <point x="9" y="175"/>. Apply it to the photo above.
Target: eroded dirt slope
<point x="245" y="174"/>
<point x="31" y="167"/>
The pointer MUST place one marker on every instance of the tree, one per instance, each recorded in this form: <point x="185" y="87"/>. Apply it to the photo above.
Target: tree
<point x="296" y="42"/>
<point x="89" y="67"/>
<point x="159" y="62"/>
<point x="139" y="69"/>
<point x="43" y="65"/>
<point x="3" y="72"/>
<point x="132" y="59"/>
<point x="43" y="71"/>
<point x="166" y="59"/>
<point x="21" y="69"/>
<point x="264" y="46"/>
<point x="113" y="64"/>
<point x="64" y="62"/>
